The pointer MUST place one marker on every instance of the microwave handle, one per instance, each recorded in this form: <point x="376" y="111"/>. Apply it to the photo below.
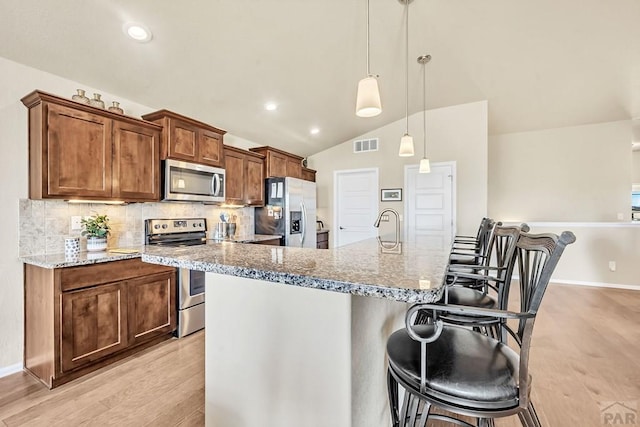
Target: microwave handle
<point x="215" y="185"/>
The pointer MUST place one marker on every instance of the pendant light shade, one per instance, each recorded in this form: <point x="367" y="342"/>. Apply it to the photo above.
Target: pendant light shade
<point x="368" y="98"/>
<point x="406" y="142"/>
<point x="406" y="146"/>
<point x="425" y="167"/>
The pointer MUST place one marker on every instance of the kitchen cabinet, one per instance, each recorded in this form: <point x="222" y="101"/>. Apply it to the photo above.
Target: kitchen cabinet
<point x="94" y="324"/>
<point x="272" y="242"/>
<point x="322" y="239"/>
<point x="77" y="151"/>
<point x="279" y="163"/>
<point x="308" y="174"/>
<point x="78" y="319"/>
<point x="184" y="138"/>
<point x="244" y="176"/>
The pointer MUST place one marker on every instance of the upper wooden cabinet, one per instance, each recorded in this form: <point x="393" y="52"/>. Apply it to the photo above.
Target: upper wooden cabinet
<point x="184" y="138"/>
<point x="81" y="152"/>
<point x="244" y="176"/>
<point x="279" y="163"/>
<point x="308" y="174"/>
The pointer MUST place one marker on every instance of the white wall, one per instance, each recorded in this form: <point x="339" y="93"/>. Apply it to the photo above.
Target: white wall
<point x="580" y="173"/>
<point x="457" y="133"/>
<point x="575" y="178"/>
<point x="635" y="167"/>
<point x="17" y="81"/>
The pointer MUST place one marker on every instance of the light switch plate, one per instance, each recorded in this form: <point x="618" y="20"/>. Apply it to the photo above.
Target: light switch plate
<point x="76" y="223"/>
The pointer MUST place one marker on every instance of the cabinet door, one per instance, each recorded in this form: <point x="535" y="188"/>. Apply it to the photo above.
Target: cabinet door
<point x="94" y="324"/>
<point x="308" y="174"/>
<point x="152" y="306"/>
<point x="78" y="153"/>
<point x="183" y="141"/>
<point x="276" y="165"/>
<point x="210" y="149"/>
<point x="294" y="167"/>
<point x="235" y="177"/>
<point x="136" y="163"/>
<point x="254" y="190"/>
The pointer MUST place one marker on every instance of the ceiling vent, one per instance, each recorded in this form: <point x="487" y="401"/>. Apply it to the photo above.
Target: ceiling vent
<point x="364" y="145"/>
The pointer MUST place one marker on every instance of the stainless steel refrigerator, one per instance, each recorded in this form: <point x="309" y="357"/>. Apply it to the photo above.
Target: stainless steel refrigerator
<point x="290" y="211"/>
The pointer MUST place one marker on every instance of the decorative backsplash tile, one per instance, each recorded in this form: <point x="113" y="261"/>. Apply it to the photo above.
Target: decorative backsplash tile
<point x="44" y="224"/>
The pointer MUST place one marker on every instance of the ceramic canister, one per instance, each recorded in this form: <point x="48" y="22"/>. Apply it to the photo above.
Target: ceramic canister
<point x="71" y="246"/>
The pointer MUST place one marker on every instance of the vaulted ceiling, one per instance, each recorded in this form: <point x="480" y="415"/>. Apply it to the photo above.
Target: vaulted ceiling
<point x="540" y="64"/>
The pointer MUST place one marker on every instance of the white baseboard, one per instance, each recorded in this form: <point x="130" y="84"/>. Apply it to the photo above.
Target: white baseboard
<point x="597" y="284"/>
<point x="11" y="369"/>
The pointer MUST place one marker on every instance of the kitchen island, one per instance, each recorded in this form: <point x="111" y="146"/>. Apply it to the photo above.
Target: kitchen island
<point x="281" y="350"/>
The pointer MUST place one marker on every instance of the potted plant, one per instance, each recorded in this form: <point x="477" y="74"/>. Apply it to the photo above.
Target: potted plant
<point x="96" y="228"/>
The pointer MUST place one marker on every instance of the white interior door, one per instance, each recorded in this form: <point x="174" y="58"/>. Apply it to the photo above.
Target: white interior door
<point x="430" y="205"/>
<point x="356" y="205"/>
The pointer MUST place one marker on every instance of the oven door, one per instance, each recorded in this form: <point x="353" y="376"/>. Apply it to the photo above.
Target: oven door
<point x="184" y="181"/>
<point x="190" y="288"/>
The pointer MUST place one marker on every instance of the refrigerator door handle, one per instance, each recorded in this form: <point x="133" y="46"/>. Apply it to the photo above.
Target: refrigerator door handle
<point x="303" y="227"/>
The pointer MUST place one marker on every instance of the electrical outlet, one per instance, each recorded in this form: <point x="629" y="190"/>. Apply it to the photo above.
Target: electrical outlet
<point x="76" y="223"/>
<point x="612" y="265"/>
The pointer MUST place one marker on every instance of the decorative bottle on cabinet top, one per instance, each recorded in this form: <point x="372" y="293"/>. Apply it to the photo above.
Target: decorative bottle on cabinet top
<point x="80" y="97"/>
<point x="115" y="108"/>
<point x="96" y="101"/>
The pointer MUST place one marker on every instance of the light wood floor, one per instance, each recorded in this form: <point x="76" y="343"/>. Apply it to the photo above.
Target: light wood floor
<point x="586" y="350"/>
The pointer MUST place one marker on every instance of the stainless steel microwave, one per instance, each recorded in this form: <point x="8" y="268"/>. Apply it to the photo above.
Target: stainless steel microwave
<point x="185" y="181"/>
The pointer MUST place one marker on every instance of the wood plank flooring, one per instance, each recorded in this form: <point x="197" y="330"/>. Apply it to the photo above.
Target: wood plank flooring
<point x="586" y="351"/>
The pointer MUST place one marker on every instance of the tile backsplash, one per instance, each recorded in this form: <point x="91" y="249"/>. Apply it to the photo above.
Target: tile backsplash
<point x="44" y="224"/>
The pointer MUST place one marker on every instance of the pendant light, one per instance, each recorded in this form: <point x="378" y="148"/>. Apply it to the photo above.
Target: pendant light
<point x="425" y="167"/>
<point x="406" y="142"/>
<point x="368" y="97"/>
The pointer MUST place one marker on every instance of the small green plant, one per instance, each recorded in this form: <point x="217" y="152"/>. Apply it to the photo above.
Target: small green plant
<point x="95" y="226"/>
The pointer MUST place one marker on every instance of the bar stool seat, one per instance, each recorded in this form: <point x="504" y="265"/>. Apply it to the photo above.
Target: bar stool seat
<point x="462" y="365"/>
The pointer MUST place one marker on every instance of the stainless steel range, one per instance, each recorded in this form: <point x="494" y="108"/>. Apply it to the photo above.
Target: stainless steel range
<point x="190" y="292"/>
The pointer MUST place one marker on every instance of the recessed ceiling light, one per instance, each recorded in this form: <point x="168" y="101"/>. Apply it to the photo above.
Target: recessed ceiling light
<point x="138" y="32"/>
<point x="270" y="106"/>
<point x="314" y="131"/>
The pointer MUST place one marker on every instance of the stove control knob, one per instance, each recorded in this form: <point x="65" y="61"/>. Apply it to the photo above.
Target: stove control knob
<point x="164" y="225"/>
<point x="157" y="226"/>
<point x="200" y="224"/>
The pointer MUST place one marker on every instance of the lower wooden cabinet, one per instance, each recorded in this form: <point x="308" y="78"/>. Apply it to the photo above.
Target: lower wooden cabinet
<point x="94" y="324"/>
<point x="322" y="239"/>
<point x="151" y="307"/>
<point x="79" y="319"/>
<point x="272" y="242"/>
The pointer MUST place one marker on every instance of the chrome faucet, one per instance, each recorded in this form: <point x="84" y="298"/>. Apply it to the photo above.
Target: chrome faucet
<point x="376" y="224"/>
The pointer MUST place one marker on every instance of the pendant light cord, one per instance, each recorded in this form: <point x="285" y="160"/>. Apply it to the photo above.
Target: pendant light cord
<point x="424" y="106"/>
<point x="406" y="81"/>
<point x="368" y="69"/>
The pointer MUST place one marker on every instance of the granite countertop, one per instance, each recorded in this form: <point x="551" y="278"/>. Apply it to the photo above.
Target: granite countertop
<point x="361" y="268"/>
<point x="247" y="238"/>
<point x="84" y="258"/>
<point x="59" y="260"/>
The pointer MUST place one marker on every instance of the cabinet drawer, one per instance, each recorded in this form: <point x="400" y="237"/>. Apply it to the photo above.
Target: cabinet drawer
<point x="90" y="275"/>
